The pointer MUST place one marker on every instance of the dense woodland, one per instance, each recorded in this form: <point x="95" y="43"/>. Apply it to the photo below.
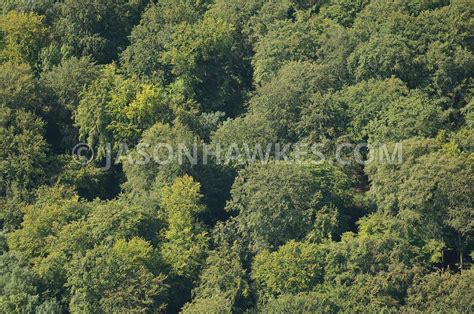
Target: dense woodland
<point x="271" y="237"/>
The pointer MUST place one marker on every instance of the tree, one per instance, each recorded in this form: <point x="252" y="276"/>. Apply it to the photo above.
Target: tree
<point x="239" y="13"/>
<point x="252" y="133"/>
<point x="399" y="38"/>
<point x="322" y="119"/>
<point x="66" y="82"/>
<point x="10" y="212"/>
<point x="58" y="226"/>
<point x="164" y="165"/>
<point x="18" y="284"/>
<point x="295" y="267"/>
<point x="214" y="304"/>
<point x="108" y="221"/>
<point x="288" y="96"/>
<point x="370" y="270"/>
<point x="149" y="38"/>
<point x="414" y="115"/>
<point x="166" y="152"/>
<point x="301" y="303"/>
<point x="115" y="110"/>
<point x="22" y="37"/>
<point x="277" y="201"/>
<point x="326" y="225"/>
<point x="382" y="57"/>
<point x="342" y="11"/>
<point x="40" y="7"/>
<point x="365" y="101"/>
<point x="386" y="110"/>
<point x="449" y="58"/>
<point x="42" y="223"/>
<point x="68" y="79"/>
<point x="97" y="28"/>
<point x="24" y="150"/>
<point x="449" y="65"/>
<point x="205" y="60"/>
<point x="89" y="181"/>
<point x="116" y="279"/>
<point x="185" y="241"/>
<point x="19" y="89"/>
<point x="289" y="41"/>
<point x="269" y="12"/>
<point x="374" y="269"/>
<point x="428" y="294"/>
<point x="434" y="183"/>
<point x="264" y="156"/>
<point x="222" y="275"/>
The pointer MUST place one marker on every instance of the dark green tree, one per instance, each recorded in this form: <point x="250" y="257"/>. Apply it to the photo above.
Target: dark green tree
<point x="278" y="201"/>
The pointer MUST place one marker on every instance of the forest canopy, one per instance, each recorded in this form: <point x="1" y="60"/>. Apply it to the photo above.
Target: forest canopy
<point x="97" y="216"/>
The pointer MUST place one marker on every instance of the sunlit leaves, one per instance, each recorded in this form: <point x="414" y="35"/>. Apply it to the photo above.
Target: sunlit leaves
<point x="22" y="37"/>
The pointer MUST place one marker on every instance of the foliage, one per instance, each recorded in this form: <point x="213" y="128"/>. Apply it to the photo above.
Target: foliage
<point x="23" y="34"/>
<point x="300" y="303"/>
<point x="205" y="60"/>
<point x="19" y="89"/>
<point x="185" y="241"/>
<point x="295" y="267"/>
<point x="115" y="279"/>
<point x="214" y="304"/>
<point x="64" y="83"/>
<point x="97" y="28"/>
<point x="18" y="289"/>
<point x="43" y="221"/>
<point x="23" y="155"/>
<point x="150" y="37"/>
<point x="428" y="294"/>
<point x="115" y="109"/>
<point x="278" y="201"/>
<point x="274" y="50"/>
<point x="223" y="275"/>
<point x="265" y="156"/>
<point x="68" y="79"/>
<point x="414" y="115"/>
<point x="342" y="11"/>
<point x="166" y="166"/>
<point x="430" y="181"/>
<point x="290" y="95"/>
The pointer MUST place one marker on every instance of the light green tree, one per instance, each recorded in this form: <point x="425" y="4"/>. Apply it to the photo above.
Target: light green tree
<point x="295" y="267"/>
<point x="184" y="240"/>
<point x="115" y="109"/>
<point x="23" y="34"/>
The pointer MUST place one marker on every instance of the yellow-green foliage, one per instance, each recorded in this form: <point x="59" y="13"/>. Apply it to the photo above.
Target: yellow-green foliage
<point x="185" y="241"/>
<point x="22" y="36"/>
<point x="294" y="268"/>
